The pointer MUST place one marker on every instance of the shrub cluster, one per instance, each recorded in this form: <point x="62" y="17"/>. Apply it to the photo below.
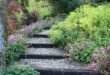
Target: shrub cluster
<point x="86" y="25"/>
<point x="13" y="52"/>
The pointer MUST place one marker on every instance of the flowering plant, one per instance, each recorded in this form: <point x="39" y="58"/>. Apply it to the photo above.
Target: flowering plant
<point x="101" y="60"/>
<point x="13" y="38"/>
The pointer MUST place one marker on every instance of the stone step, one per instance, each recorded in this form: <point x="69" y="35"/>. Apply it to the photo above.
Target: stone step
<point x="44" y="32"/>
<point x="44" y="53"/>
<point x="58" y="67"/>
<point x="55" y="63"/>
<point x="38" y="41"/>
<point x="46" y="71"/>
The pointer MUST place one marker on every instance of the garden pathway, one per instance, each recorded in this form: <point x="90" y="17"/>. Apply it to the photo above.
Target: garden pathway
<point x="48" y="59"/>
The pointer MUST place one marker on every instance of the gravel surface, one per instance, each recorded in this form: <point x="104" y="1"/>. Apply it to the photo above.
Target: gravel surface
<point x="55" y="63"/>
<point x="38" y="40"/>
<point x="45" y="51"/>
<point x="45" y="32"/>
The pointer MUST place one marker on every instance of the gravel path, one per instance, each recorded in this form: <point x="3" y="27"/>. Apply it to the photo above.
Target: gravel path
<point x="38" y="40"/>
<point x="45" y="51"/>
<point x="45" y="32"/>
<point x="55" y="63"/>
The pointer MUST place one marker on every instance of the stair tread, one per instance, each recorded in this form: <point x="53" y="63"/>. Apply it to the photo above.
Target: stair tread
<point x="38" y="41"/>
<point x="45" y="51"/>
<point x="54" y="63"/>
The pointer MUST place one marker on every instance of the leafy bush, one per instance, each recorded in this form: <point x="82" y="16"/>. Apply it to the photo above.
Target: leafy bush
<point x="13" y="51"/>
<point x="92" y="24"/>
<point x="86" y="22"/>
<point x="20" y="70"/>
<point x="57" y="37"/>
<point x="44" y="9"/>
<point x="45" y="12"/>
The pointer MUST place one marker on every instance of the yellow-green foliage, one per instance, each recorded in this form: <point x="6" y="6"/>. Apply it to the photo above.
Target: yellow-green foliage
<point x="44" y="9"/>
<point x="94" y="20"/>
<point x="41" y="7"/>
<point x="32" y="5"/>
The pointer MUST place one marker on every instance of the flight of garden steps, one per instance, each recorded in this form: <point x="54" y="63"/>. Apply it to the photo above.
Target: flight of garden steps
<point x="46" y="58"/>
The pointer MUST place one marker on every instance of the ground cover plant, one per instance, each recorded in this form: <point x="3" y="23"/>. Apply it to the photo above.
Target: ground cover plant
<point x="13" y="52"/>
<point x="18" y="69"/>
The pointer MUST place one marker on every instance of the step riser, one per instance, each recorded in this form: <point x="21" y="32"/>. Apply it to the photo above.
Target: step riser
<point x="47" y="28"/>
<point x="42" y="57"/>
<point x="40" y="36"/>
<point x="65" y="72"/>
<point x="42" y="46"/>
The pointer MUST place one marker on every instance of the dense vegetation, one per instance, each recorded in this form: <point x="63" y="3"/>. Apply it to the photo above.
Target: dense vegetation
<point x="84" y="34"/>
<point x="14" y="51"/>
<point x="86" y="28"/>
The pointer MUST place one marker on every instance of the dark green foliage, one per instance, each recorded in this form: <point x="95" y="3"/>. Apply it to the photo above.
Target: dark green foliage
<point x="13" y="51"/>
<point x="102" y="0"/>
<point x="64" y="6"/>
<point x="20" y="70"/>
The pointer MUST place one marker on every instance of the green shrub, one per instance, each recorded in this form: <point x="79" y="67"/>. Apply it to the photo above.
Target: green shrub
<point x="57" y="37"/>
<point x="45" y="12"/>
<point x="44" y="9"/>
<point x="59" y="34"/>
<point x="86" y="22"/>
<point x="13" y="51"/>
<point x="20" y="70"/>
<point x="93" y="21"/>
